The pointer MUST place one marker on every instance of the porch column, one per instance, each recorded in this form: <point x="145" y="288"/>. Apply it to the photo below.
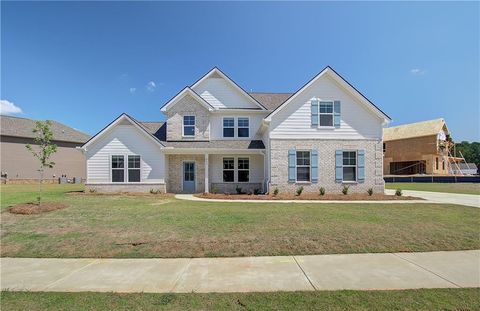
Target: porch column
<point x="206" y="173"/>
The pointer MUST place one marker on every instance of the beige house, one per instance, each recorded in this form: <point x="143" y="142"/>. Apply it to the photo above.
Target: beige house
<point x="417" y="148"/>
<point x="219" y="138"/>
<point x="19" y="165"/>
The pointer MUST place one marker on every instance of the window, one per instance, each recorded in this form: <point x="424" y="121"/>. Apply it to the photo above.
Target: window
<point x="243" y="127"/>
<point x="228" y="169"/>
<point x="188" y="125"/>
<point x="443" y="164"/>
<point x="243" y="169"/>
<point x="436" y="163"/>
<point x="326" y="114"/>
<point x="133" y="168"/>
<point x="384" y="147"/>
<point x="228" y="127"/>
<point x="118" y="168"/>
<point x="303" y="165"/>
<point x="349" y="166"/>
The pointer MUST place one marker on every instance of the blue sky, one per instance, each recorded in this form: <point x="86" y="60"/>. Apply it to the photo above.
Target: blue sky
<point x="83" y="64"/>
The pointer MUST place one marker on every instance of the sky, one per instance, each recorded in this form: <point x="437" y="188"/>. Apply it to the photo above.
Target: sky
<point x="85" y="63"/>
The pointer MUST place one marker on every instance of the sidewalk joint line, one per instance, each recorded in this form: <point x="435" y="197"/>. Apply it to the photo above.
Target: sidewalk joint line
<point x="180" y="275"/>
<point x="310" y="281"/>
<point x="70" y="274"/>
<point x="414" y="263"/>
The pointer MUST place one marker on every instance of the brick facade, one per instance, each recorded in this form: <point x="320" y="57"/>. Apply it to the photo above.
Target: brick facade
<point x="188" y="106"/>
<point x="326" y="164"/>
<point x="175" y="172"/>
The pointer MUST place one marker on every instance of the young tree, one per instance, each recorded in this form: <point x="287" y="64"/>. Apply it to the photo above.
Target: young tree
<point x="43" y="138"/>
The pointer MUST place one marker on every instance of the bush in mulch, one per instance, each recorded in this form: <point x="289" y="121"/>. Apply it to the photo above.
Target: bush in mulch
<point x="34" y="208"/>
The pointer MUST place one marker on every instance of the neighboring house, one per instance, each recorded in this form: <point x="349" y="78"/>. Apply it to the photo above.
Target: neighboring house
<point x="217" y="137"/>
<point x="465" y="169"/>
<point x="417" y="148"/>
<point x="19" y="165"/>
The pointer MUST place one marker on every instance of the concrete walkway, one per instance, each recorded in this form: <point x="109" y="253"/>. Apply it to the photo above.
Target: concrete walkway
<point x="191" y="197"/>
<point x="442" y="197"/>
<point x="245" y="274"/>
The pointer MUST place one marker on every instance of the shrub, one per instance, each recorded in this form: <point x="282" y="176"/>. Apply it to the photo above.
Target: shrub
<point x="214" y="190"/>
<point x="299" y="190"/>
<point x="275" y="192"/>
<point x="370" y="191"/>
<point x="238" y="189"/>
<point x="345" y="189"/>
<point x="256" y="191"/>
<point x="322" y="191"/>
<point x="398" y="192"/>
<point x="92" y="190"/>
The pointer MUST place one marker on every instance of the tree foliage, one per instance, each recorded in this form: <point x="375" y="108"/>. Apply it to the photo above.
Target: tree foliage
<point x="45" y="149"/>
<point x="471" y="151"/>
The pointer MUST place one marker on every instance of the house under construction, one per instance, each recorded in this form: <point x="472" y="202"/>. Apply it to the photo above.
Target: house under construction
<point x="419" y="148"/>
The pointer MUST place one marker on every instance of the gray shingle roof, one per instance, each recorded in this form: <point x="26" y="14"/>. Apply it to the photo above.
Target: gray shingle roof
<point x="271" y="101"/>
<point x="158" y="129"/>
<point x="22" y="127"/>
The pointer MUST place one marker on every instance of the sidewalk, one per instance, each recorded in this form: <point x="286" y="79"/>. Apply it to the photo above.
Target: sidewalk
<point x="244" y="274"/>
<point x="442" y="197"/>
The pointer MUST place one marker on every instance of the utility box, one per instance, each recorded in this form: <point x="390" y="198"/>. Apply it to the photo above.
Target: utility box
<point x="62" y="180"/>
<point x="77" y="180"/>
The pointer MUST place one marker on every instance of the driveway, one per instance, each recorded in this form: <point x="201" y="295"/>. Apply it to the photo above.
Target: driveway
<point x="442" y="197"/>
<point x="245" y="274"/>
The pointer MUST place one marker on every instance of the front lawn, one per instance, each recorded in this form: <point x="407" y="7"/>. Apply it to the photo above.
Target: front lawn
<point x="421" y="299"/>
<point x="465" y="188"/>
<point x="125" y="226"/>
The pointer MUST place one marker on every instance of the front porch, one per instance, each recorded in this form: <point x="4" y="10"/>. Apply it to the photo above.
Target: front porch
<point x="221" y="171"/>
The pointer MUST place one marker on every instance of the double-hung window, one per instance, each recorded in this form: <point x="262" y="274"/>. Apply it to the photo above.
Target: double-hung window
<point x="228" y="169"/>
<point x="325" y="113"/>
<point x="189" y="126"/>
<point x="133" y="168"/>
<point x="228" y="127"/>
<point x="349" y="166"/>
<point x="243" y="169"/>
<point x="243" y="127"/>
<point x="303" y="166"/>
<point x="118" y="168"/>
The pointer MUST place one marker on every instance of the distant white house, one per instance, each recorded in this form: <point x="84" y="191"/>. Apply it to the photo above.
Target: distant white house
<point x="217" y="137"/>
<point x="465" y="169"/>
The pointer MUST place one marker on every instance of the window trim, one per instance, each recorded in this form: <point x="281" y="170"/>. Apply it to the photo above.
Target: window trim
<point x="320" y="101"/>
<point x="296" y="167"/>
<point x="127" y="168"/>
<point x="242" y="127"/>
<point x="228" y="127"/>
<point x="118" y="169"/>
<point x="223" y="169"/>
<point x="238" y="169"/>
<point x="183" y="125"/>
<point x="356" y="168"/>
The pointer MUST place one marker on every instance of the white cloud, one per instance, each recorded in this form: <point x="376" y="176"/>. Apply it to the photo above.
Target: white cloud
<point x="151" y="86"/>
<point x="417" y="71"/>
<point x="7" y="107"/>
<point x="133" y="90"/>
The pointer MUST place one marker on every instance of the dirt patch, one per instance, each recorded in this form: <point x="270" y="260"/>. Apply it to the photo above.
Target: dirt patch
<point x="33" y="208"/>
<point x="309" y="196"/>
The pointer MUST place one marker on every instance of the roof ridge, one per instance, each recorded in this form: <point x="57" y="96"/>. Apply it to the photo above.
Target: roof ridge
<point x="414" y="123"/>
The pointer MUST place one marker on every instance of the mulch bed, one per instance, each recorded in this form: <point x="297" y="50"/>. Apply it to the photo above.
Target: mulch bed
<point x="33" y="208"/>
<point x="309" y="196"/>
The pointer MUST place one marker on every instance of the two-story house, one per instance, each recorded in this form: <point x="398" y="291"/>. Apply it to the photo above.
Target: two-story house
<point x="218" y="137"/>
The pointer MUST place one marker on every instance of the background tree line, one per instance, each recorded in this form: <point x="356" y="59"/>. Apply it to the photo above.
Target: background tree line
<point x="471" y="151"/>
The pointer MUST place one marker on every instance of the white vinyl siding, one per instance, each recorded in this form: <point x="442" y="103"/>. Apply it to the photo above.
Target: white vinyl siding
<point x="125" y="140"/>
<point x="220" y="94"/>
<point x="294" y="120"/>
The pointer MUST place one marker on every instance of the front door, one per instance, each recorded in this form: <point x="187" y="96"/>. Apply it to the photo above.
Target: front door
<point x="188" y="177"/>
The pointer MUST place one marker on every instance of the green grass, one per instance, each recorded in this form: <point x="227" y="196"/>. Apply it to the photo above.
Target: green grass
<point x="106" y="226"/>
<point x="464" y="188"/>
<point x="422" y="299"/>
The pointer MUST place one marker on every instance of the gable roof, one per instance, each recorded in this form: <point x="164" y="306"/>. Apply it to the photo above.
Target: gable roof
<point x="418" y="129"/>
<point x="271" y="101"/>
<point x="181" y="94"/>
<point x="144" y="128"/>
<point x="344" y="83"/>
<point x="216" y="72"/>
<point x="22" y="127"/>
